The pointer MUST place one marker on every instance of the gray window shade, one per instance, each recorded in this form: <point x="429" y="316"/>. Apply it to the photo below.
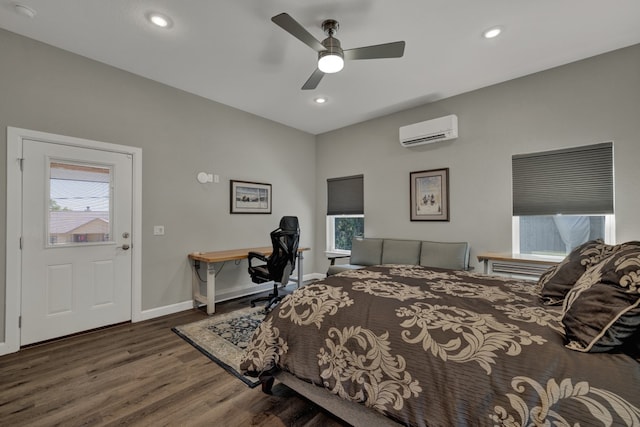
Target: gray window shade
<point x="345" y="195"/>
<point x="572" y="181"/>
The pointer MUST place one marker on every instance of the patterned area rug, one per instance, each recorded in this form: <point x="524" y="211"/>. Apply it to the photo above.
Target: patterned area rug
<point x="223" y="338"/>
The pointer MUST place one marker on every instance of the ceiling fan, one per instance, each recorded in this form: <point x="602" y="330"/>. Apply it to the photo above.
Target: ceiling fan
<point x="331" y="56"/>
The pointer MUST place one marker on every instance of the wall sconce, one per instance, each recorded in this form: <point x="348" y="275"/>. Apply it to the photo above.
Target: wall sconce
<point x="204" y="177"/>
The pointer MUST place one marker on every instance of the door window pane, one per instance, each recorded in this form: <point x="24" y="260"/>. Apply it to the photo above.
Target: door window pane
<point x="79" y="203"/>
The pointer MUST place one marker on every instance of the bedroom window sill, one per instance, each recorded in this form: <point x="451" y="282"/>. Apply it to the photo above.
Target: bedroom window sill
<point x="517" y="265"/>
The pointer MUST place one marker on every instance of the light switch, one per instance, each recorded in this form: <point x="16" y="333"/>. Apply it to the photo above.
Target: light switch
<point x="158" y="230"/>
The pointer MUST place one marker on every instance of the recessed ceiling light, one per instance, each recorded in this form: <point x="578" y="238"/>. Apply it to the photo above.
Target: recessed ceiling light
<point x="24" y="10"/>
<point x="492" y="32"/>
<point x="160" y="20"/>
<point x="320" y="100"/>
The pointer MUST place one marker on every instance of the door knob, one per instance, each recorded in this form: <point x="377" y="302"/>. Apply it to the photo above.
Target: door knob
<point x="125" y="247"/>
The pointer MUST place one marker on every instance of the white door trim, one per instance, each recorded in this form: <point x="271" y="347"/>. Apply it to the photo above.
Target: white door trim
<point x="14" y="260"/>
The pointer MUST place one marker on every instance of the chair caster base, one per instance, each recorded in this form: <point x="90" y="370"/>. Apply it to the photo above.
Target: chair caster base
<point x="267" y="384"/>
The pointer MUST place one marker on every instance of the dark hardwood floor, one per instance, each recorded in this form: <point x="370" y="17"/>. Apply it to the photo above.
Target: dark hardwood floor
<point x="140" y="374"/>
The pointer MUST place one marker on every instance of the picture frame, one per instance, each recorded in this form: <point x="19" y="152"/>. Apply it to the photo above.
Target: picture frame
<point x="429" y="198"/>
<point x="250" y="197"/>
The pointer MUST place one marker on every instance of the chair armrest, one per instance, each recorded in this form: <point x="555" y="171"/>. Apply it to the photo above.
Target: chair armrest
<point x="251" y="255"/>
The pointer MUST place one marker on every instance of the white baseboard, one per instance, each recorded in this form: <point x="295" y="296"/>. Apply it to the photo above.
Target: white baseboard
<point x="5" y="348"/>
<point x="238" y="292"/>
<point x="152" y="313"/>
<point x="243" y="291"/>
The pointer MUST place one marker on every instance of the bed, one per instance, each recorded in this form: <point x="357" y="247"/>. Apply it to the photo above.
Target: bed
<point x="435" y="347"/>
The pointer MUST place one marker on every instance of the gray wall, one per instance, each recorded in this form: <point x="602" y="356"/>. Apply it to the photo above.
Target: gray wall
<point x="586" y="102"/>
<point x="51" y="90"/>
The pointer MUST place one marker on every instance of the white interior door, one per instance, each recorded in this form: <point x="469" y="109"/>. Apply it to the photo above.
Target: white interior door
<point x="76" y="239"/>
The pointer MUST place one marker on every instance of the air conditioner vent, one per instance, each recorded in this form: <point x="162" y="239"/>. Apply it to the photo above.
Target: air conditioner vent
<point x="518" y="269"/>
<point x="426" y="139"/>
<point x="441" y="129"/>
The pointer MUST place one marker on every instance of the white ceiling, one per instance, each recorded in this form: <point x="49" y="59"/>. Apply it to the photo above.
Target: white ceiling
<point x="230" y="51"/>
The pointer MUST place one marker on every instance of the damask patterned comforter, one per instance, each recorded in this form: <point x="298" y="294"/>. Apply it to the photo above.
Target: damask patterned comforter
<point x="430" y="347"/>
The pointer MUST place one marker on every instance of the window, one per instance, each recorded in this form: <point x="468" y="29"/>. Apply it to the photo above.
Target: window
<point x="80" y="204"/>
<point x="562" y="198"/>
<point x="345" y="212"/>
<point x="341" y="229"/>
<point x="557" y="235"/>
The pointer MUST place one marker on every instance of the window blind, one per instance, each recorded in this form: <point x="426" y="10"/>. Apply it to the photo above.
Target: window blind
<point x="573" y="181"/>
<point x="345" y="195"/>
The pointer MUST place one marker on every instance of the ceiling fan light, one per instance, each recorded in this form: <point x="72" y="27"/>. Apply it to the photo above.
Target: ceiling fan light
<point x="331" y="63"/>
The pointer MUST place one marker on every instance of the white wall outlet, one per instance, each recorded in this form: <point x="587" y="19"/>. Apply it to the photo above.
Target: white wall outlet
<point x="158" y="230"/>
<point x="216" y="178"/>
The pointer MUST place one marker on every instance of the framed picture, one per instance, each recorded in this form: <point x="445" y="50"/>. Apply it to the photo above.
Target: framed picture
<point x="250" y="197"/>
<point x="430" y="195"/>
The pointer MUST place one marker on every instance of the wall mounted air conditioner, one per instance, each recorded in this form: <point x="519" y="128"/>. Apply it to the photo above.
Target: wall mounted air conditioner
<point x="440" y="129"/>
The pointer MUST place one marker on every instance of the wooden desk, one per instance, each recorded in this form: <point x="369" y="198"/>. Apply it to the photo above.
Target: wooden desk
<point x="210" y="258"/>
<point x="525" y="265"/>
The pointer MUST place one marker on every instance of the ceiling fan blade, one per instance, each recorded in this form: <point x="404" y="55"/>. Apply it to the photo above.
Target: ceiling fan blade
<point x="387" y="50"/>
<point x="312" y="82"/>
<point x="290" y="25"/>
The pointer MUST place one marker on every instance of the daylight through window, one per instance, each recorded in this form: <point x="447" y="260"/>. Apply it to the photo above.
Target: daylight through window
<point x="79" y="203"/>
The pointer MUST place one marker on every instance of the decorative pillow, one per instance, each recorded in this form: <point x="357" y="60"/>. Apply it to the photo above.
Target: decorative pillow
<point x="366" y="251"/>
<point x="451" y="255"/>
<point x="602" y="310"/>
<point x="559" y="279"/>
<point x="632" y="345"/>
<point x="400" y="252"/>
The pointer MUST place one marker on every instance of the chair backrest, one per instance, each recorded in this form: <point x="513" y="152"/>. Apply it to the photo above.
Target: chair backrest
<point x="285" y="241"/>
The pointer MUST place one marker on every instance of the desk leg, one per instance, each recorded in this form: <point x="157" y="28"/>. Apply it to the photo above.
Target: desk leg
<point x="300" y="272"/>
<point x="211" y="288"/>
<point x="195" y="283"/>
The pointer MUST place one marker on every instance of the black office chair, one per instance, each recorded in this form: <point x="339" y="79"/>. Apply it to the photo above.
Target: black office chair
<point x="282" y="261"/>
